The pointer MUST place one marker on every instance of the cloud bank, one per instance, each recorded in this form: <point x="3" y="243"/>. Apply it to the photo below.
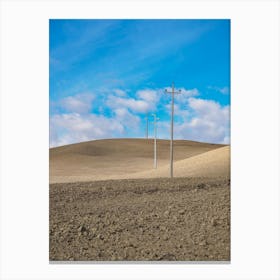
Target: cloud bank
<point x="84" y="117"/>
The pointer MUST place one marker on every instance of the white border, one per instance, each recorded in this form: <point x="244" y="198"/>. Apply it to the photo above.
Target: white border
<point x="254" y="132"/>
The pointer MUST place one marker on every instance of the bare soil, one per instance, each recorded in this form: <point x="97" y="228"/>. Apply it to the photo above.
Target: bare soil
<point x="161" y="219"/>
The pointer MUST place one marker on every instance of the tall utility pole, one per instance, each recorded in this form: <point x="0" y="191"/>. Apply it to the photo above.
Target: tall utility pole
<point x="147" y="126"/>
<point x="155" y="139"/>
<point x="171" y="130"/>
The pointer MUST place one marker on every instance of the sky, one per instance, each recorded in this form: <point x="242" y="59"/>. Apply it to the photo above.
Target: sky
<point x="107" y="76"/>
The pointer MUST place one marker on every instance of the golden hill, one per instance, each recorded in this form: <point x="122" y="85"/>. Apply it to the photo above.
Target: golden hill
<point x="129" y="158"/>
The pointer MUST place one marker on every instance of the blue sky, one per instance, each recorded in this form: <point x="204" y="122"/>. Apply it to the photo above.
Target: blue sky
<point x="106" y="75"/>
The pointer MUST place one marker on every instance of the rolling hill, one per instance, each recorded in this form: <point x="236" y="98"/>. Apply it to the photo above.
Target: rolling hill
<point x="133" y="158"/>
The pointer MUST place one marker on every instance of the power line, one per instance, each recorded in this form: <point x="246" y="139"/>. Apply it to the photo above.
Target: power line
<point x="171" y="130"/>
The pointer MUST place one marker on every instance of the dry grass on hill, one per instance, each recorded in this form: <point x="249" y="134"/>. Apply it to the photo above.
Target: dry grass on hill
<point x="116" y="158"/>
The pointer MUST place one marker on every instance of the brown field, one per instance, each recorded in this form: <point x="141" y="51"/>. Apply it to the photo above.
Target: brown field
<point x="107" y="203"/>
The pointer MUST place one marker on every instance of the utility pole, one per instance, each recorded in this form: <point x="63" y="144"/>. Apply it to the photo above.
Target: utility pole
<point x="155" y="139"/>
<point x="171" y="130"/>
<point x="147" y="126"/>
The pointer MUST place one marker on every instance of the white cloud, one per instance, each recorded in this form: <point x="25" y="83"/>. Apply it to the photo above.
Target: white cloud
<point x="80" y="103"/>
<point x="189" y="92"/>
<point x="195" y="118"/>
<point x="184" y="92"/>
<point x="79" y="124"/>
<point x="180" y="111"/>
<point x="184" y="95"/>
<point x="209" y="122"/>
<point x="222" y="90"/>
<point x="74" y="127"/>
<point x="135" y="105"/>
<point x="148" y="95"/>
<point x="209" y="109"/>
<point x="120" y="92"/>
<point x="144" y="102"/>
<point x="127" y="119"/>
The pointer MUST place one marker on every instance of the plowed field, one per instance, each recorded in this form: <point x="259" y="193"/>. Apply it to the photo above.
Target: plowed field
<point x="183" y="219"/>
